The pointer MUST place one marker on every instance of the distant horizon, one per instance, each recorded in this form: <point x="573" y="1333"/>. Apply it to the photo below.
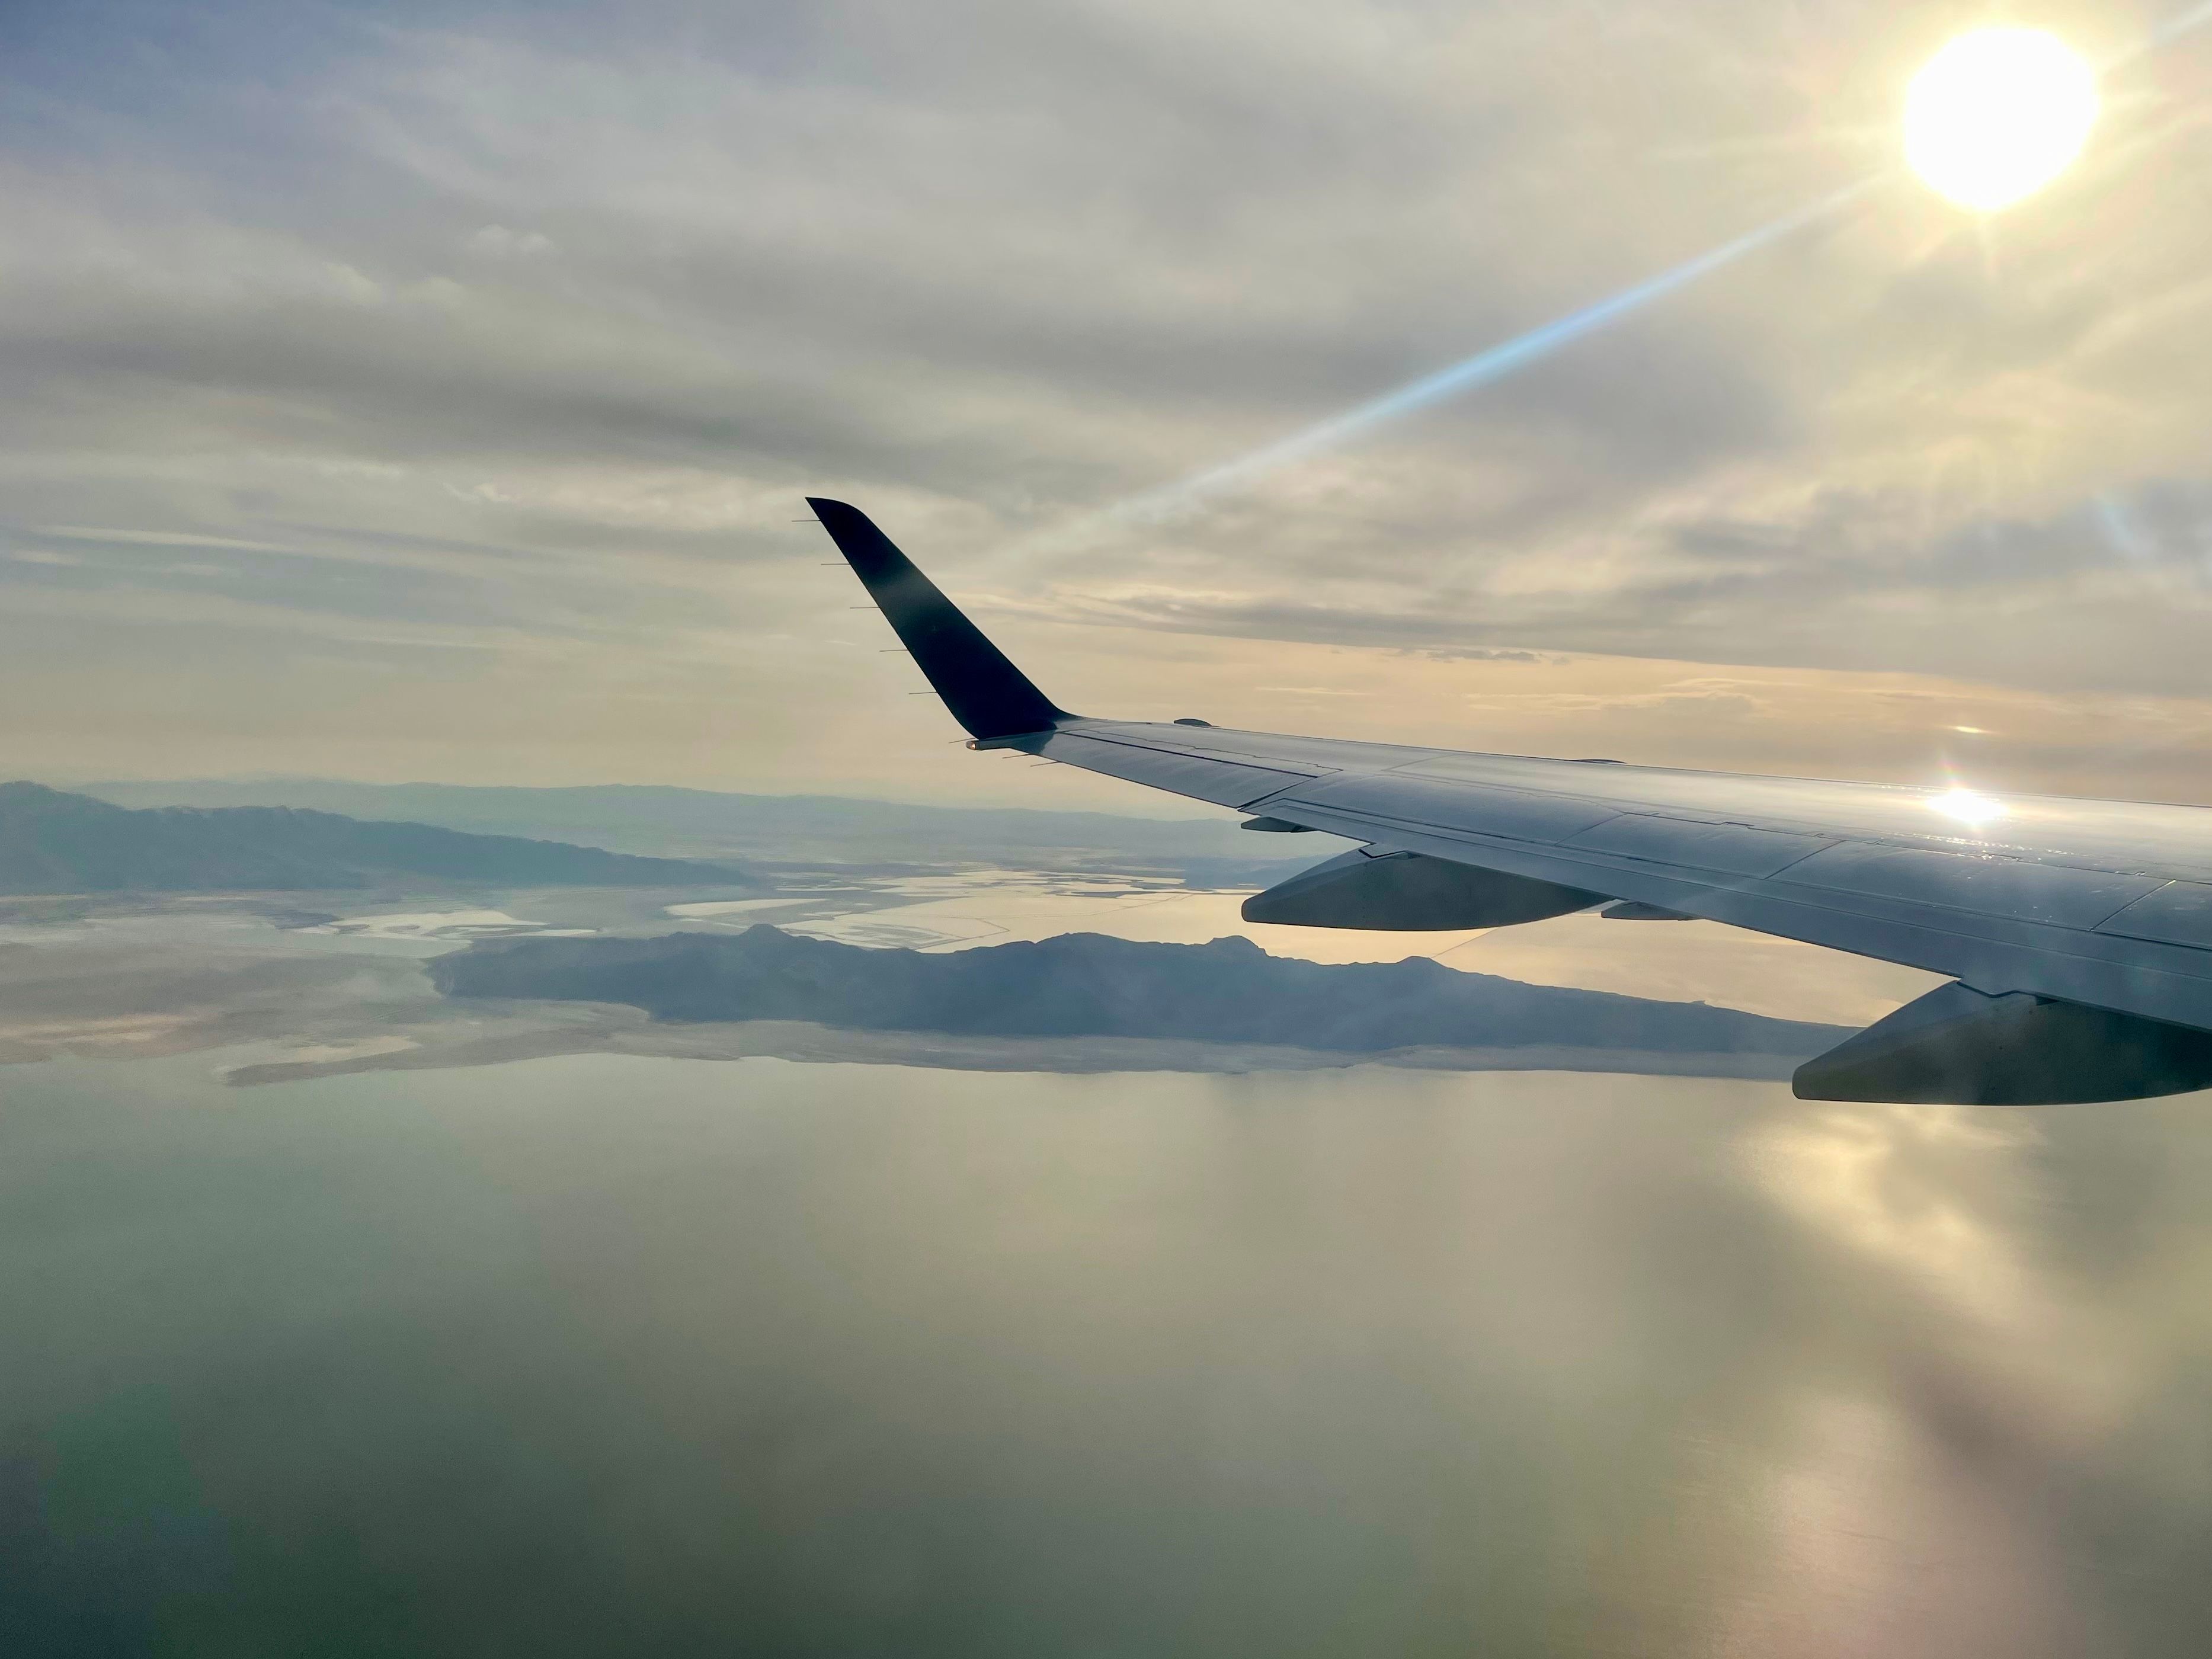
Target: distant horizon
<point x="1018" y="801"/>
<point x="89" y="785"/>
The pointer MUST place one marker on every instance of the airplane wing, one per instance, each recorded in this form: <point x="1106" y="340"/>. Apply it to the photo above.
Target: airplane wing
<point x="2078" y="933"/>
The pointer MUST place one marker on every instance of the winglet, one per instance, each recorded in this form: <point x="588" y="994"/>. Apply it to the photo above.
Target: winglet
<point x="986" y="693"/>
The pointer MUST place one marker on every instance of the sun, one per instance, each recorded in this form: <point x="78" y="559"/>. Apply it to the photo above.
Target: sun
<point x="1997" y="114"/>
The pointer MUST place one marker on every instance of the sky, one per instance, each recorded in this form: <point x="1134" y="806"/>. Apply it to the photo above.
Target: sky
<point x="429" y="391"/>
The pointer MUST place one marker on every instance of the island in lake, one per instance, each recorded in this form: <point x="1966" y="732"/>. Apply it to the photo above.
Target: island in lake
<point x="1087" y="987"/>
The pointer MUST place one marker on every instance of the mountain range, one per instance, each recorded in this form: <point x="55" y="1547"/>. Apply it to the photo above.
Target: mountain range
<point x="669" y="823"/>
<point x="1085" y="985"/>
<point x="51" y="841"/>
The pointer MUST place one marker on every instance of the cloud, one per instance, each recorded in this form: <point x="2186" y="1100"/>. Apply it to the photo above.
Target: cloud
<point x="536" y="327"/>
<point x="498" y="242"/>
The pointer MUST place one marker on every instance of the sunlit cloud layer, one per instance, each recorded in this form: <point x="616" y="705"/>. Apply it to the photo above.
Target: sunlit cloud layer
<point x="430" y="390"/>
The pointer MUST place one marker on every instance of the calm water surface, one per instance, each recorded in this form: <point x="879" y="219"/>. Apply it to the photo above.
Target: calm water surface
<point x="608" y="1355"/>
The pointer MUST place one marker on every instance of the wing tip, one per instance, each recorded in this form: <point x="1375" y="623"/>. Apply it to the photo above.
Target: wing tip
<point x="986" y="693"/>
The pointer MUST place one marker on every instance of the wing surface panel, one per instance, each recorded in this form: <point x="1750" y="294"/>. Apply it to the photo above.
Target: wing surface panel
<point x="1980" y="885"/>
<point x="2179" y="913"/>
<point x="1727" y="848"/>
<point x="1201" y="777"/>
<point x="1394" y="797"/>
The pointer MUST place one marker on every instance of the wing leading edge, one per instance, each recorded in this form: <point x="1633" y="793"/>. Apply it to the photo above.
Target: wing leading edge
<point x="2036" y="905"/>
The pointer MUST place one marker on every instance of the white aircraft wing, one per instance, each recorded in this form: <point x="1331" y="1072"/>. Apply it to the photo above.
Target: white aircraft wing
<point x="2078" y="933"/>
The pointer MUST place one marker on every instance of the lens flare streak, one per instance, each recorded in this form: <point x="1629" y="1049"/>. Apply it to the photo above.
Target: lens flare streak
<point x="1494" y="363"/>
<point x="2174" y="28"/>
<point x="2121" y="530"/>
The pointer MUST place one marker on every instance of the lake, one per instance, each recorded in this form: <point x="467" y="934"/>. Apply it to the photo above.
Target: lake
<point x="603" y="1354"/>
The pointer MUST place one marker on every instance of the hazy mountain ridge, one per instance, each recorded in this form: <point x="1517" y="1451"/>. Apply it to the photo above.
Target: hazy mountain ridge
<point x="51" y="841"/>
<point x="1086" y="985"/>
<point x="657" y="821"/>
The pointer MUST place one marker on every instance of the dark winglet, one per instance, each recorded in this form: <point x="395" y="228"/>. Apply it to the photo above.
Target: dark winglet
<point x="986" y="693"/>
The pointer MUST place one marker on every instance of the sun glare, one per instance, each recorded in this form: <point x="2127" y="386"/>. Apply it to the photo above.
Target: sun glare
<point x="1997" y="114"/>
<point x="1969" y="808"/>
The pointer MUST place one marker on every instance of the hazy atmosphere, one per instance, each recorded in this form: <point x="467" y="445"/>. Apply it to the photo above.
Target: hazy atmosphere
<point x="420" y="390"/>
<point x="550" y="1104"/>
